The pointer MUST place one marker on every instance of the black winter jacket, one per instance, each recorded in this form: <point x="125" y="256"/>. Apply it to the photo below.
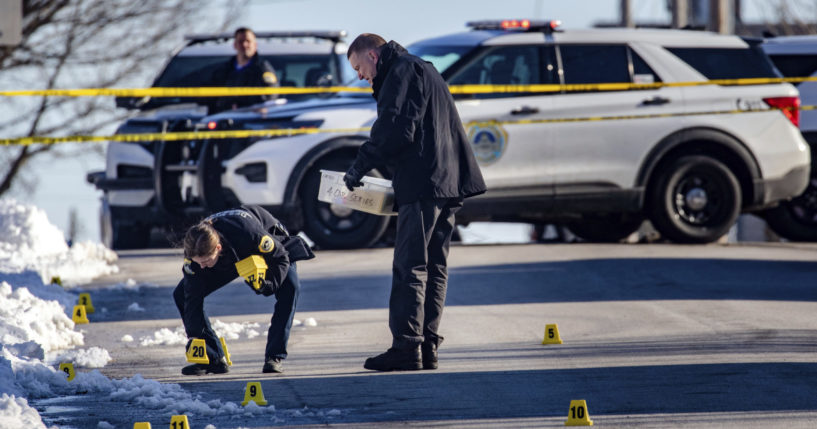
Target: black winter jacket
<point x="418" y="133"/>
<point x="256" y="73"/>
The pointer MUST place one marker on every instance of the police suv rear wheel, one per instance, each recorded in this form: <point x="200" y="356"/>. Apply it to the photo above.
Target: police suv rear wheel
<point x="796" y="219"/>
<point x="332" y="227"/>
<point x="695" y="199"/>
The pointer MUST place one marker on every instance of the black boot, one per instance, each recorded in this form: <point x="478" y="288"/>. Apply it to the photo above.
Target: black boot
<point x="396" y="360"/>
<point x="429" y="350"/>
<point x="217" y="367"/>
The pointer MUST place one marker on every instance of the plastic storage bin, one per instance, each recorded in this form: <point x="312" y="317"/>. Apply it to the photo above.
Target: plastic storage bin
<point x="376" y="196"/>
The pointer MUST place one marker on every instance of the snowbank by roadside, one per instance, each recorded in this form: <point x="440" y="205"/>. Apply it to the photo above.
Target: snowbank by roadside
<point x="33" y="312"/>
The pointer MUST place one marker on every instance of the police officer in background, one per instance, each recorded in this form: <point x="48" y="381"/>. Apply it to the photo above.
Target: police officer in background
<point x="245" y="69"/>
<point x="419" y="136"/>
<point x="211" y="249"/>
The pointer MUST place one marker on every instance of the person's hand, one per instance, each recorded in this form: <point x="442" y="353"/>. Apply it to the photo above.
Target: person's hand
<point x="267" y="288"/>
<point x="352" y="179"/>
<point x="252" y="286"/>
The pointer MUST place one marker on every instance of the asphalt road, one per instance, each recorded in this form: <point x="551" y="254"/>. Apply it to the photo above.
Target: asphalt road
<point x="653" y="336"/>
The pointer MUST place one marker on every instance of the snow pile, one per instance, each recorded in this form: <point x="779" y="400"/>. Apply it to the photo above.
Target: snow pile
<point x="230" y="331"/>
<point x="33" y="318"/>
<point x="24" y="317"/>
<point x="95" y="357"/>
<point x="135" y="307"/>
<point x="29" y="242"/>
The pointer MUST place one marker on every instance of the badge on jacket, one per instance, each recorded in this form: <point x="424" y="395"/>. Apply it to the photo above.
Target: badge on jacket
<point x="187" y="268"/>
<point x="270" y="78"/>
<point x="266" y="245"/>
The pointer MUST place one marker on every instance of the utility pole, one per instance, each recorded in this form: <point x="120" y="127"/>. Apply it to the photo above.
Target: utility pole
<point x="626" y="14"/>
<point x="680" y="13"/>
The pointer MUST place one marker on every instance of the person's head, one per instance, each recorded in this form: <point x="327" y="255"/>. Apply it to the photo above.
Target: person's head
<point x="363" y="54"/>
<point x="202" y="244"/>
<point x="245" y="44"/>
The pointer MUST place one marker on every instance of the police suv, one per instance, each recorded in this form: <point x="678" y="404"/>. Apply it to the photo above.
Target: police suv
<point x="131" y="205"/>
<point x="689" y="158"/>
<point x="796" y="56"/>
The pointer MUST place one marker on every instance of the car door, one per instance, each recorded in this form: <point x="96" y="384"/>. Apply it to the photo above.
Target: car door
<point x="510" y="153"/>
<point x="596" y="155"/>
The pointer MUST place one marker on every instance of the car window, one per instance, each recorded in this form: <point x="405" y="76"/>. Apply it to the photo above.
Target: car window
<point x="642" y="72"/>
<point x="302" y="70"/>
<point x="509" y="65"/>
<point x="188" y="71"/>
<point x="795" y="65"/>
<point x="595" y="63"/>
<point x="441" y="56"/>
<point x="727" y="63"/>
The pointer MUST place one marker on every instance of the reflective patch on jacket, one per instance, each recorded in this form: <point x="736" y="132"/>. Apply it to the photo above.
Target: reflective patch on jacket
<point x="266" y="245"/>
<point x="270" y="78"/>
<point x="188" y="269"/>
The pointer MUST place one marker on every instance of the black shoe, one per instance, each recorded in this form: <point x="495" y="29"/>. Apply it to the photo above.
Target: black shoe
<point x="395" y="360"/>
<point x="201" y="369"/>
<point x="273" y="365"/>
<point x="429" y="355"/>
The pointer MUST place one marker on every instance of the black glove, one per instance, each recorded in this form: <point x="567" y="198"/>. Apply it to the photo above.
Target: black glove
<point x="267" y="288"/>
<point x="352" y="179"/>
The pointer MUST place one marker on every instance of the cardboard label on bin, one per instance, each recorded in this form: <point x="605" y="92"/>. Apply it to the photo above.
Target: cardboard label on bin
<point x="376" y="196"/>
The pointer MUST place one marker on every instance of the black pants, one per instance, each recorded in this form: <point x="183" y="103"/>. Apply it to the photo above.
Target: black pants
<point x="198" y="324"/>
<point x="420" y="270"/>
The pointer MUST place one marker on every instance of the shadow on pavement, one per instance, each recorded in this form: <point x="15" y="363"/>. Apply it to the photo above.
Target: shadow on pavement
<point x="426" y="395"/>
<point x="547" y="282"/>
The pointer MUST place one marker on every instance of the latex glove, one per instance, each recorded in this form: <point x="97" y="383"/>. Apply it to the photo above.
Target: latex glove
<point x="267" y="288"/>
<point x="352" y="179"/>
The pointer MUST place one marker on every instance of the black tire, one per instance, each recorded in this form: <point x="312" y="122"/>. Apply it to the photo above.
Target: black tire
<point x="118" y="234"/>
<point x="334" y="227"/>
<point x="609" y="229"/>
<point x="796" y="220"/>
<point x="694" y="199"/>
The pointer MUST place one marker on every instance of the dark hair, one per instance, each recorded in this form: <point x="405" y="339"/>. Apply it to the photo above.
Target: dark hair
<point x="364" y="43"/>
<point x="201" y="240"/>
<point x="240" y="30"/>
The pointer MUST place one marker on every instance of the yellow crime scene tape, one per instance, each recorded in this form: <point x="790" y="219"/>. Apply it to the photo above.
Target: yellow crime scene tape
<point x="238" y="134"/>
<point x="455" y="89"/>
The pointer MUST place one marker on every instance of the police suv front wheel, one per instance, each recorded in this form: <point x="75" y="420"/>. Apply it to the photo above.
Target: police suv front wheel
<point x="336" y="227"/>
<point x="695" y="199"/>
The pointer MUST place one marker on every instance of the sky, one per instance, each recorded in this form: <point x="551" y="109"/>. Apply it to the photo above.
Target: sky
<point x="63" y="187"/>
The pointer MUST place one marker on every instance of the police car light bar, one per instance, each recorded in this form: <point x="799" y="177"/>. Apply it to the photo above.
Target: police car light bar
<point x="516" y="25"/>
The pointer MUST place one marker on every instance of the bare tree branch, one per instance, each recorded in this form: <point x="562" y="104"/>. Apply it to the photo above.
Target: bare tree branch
<point x="87" y="44"/>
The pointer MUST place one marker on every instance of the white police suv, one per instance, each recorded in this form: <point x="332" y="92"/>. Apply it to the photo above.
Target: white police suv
<point x="133" y="202"/>
<point x="689" y="158"/>
<point x="795" y="57"/>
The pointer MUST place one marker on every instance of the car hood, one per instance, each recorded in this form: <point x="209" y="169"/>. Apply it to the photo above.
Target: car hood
<point x="292" y="109"/>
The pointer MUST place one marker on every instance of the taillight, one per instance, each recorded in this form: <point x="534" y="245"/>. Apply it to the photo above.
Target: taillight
<point x="790" y="106"/>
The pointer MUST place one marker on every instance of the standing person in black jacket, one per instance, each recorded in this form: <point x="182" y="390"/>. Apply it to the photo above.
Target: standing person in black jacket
<point x="246" y="68"/>
<point x="419" y="136"/>
<point x="211" y="249"/>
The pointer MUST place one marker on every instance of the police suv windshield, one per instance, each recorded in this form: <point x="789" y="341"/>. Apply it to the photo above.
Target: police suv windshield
<point x="442" y="57"/>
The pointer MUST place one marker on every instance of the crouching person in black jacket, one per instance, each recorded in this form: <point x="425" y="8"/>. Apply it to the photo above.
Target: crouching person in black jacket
<point x="211" y="250"/>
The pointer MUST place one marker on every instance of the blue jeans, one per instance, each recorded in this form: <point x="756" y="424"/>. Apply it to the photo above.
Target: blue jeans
<point x="198" y="324"/>
<point x="281" y="322"/>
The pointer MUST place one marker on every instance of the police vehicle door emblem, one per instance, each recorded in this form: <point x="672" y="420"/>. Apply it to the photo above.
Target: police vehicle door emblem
<point x="266" y="244"/>
<point x="489" y="142"/>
